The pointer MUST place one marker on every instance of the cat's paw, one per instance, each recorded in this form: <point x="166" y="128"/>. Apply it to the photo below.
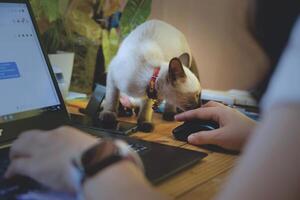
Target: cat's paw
<point x="168" y="116"/>
<point x="108" y="119"/>
<point x="145" y="126"/>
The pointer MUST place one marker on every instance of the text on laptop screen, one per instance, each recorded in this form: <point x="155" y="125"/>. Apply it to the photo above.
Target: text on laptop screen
<point x="25" y="81"/>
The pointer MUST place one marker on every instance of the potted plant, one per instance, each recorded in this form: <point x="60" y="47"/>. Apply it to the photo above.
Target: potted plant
<point x="92" y="29"/>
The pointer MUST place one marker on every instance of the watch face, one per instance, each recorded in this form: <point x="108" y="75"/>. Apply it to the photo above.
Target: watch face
<point x="99" y="153"/>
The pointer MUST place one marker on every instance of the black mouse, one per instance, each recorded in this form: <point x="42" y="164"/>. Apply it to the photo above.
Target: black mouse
<point x="187" y="128"/>
<point x="183" y="131"/>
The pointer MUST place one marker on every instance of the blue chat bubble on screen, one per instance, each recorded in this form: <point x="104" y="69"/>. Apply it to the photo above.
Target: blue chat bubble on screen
<point x="9" y="70"/>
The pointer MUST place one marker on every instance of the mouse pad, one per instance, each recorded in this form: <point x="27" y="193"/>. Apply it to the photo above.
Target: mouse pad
<point x="218" y="149"/>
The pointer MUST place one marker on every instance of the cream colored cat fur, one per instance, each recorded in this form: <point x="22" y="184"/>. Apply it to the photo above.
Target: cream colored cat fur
<point x="152" y="44"/>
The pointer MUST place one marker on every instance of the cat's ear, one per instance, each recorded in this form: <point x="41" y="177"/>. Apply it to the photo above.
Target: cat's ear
<point x="185" y="59"/>
<point x="176" y="70"/>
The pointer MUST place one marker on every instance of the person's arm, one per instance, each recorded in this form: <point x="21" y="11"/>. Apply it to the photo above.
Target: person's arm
<point x="47" y="157"/>
<point x="120" y="181"/>
<point x="270" y="167"/>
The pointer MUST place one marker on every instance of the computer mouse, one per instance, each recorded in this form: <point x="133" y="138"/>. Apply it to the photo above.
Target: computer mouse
<point x="187" y="128"/>
<point x="183" y="131"/>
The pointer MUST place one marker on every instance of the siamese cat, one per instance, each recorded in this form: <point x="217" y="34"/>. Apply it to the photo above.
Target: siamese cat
<point x="155" y="55"/>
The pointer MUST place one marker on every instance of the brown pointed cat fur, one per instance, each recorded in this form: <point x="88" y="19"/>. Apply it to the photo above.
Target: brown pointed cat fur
<point x="152" y="44"/>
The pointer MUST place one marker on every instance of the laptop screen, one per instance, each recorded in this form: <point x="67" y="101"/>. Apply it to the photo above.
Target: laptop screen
<point x="26" y="86"/>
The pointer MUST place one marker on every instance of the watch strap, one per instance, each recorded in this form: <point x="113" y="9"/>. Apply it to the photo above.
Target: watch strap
<point x="104" y="154"/>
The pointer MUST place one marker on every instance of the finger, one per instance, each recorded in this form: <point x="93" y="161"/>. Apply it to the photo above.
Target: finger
<point x="213" y="104"/>
<point x="205" y="137"/>
<point x="24" y="145"/>
<point x="211" y="113"/>
<point x="20" y="166"/>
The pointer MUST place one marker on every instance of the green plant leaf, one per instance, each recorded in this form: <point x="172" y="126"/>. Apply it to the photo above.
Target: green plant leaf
<point x="63" y="5"/>
<point x="36" y="7"/>
<point x="106" y="48"/>
<point x="51" y="39"/>
<point x="81" y="23"/>
<point x="50" y="9"/>
<point x="110" y="45"/>
<point x="135" y="13"/>
<point x="114" y="42"/>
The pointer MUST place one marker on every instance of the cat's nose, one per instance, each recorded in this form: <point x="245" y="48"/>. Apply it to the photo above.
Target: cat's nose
<point x="192" y="106"/>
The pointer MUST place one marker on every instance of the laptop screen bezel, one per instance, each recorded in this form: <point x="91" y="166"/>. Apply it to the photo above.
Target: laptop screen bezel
<point x="10" y="130"/>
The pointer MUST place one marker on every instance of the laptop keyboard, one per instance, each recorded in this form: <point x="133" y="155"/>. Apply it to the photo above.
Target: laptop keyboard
<point x="4" y="161"/>
<point x="136" y="146"/>
<point x="9" y="189"/>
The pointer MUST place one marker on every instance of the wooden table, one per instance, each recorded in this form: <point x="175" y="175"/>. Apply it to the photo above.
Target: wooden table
<point x="203" y="180"/>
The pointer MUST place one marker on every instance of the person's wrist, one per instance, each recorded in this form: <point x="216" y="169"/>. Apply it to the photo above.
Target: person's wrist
<point x="123" y="168"/>
<point x="124" y="177"/>
<point x="102" y="155"/>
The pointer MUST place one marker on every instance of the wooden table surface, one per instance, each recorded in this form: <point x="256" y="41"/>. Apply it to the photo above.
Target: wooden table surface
<point x="201" y="181"/>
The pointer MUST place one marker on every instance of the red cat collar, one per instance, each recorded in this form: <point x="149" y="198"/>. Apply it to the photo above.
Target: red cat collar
<point x="151" y="90"/>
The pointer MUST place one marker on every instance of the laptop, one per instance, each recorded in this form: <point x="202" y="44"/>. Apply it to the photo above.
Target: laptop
<point x="30" y="99"/>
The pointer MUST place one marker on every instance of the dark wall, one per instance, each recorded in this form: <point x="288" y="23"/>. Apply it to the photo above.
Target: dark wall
<point x="273" y="23"/>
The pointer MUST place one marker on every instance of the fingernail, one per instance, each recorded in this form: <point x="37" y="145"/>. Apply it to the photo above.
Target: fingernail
<point x="191" y="138"/>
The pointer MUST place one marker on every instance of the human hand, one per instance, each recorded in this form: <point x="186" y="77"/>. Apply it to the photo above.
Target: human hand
<point x="46" y="156"/>
<point x="234" y="130"/>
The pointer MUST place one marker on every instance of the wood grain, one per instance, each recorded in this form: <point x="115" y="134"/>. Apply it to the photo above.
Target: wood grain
<point x="201" y="181"/>
<point x="207" y="190"/>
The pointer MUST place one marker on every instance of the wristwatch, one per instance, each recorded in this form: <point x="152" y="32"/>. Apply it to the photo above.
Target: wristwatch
<point x="107" y="152"/>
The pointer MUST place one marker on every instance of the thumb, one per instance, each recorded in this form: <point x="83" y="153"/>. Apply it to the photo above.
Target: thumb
<point x="204" y="137"/>
<point x="20" y="166"/>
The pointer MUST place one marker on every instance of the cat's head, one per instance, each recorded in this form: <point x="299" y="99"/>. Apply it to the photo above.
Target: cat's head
<point x="182" y="86"/>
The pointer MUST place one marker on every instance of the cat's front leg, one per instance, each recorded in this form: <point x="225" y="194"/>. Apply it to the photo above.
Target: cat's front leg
<point x="145" y="116"/>
<point x="108" y="117"/>
<point x="169" y="112"/>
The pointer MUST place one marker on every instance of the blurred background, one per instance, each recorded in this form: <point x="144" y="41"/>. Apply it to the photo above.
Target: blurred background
<point x="225" y="51"/>
<point x="219" y="33"/>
